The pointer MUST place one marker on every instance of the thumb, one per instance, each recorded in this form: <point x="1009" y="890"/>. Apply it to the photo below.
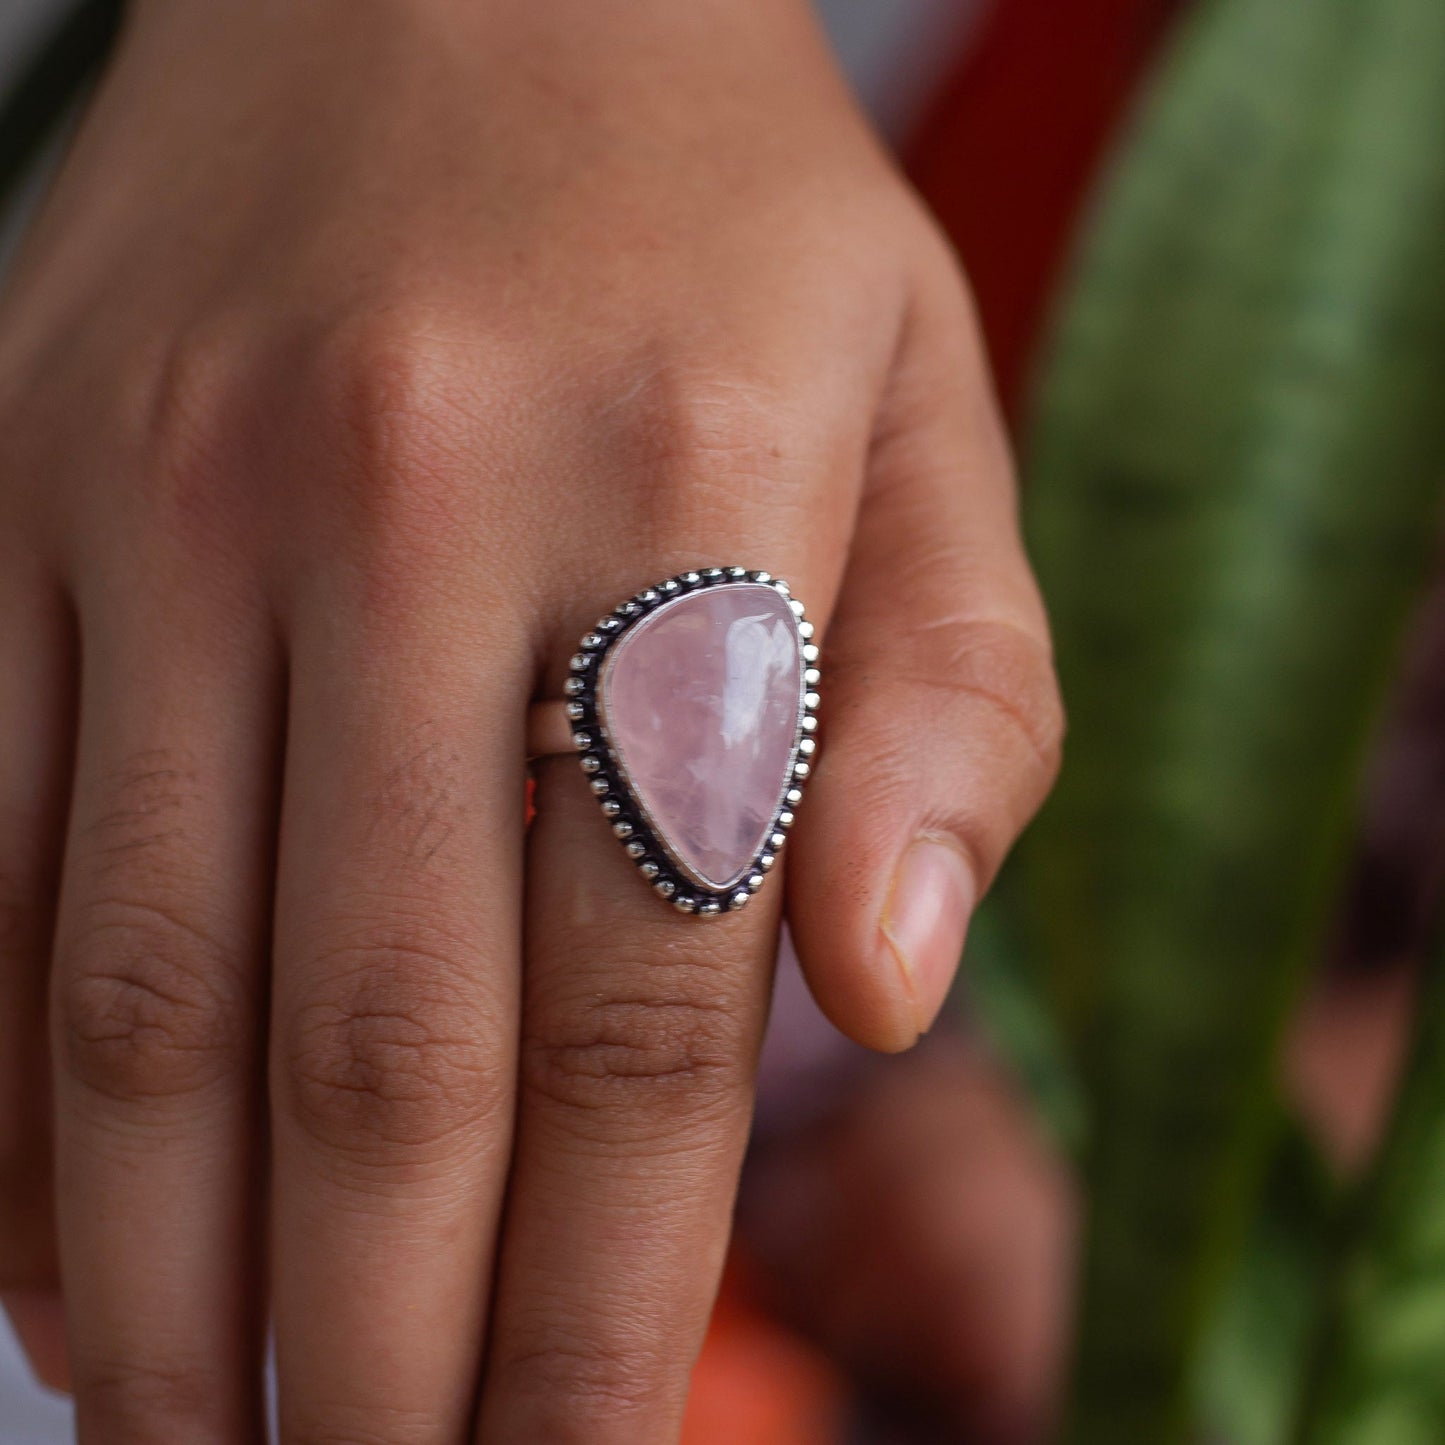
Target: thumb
<point x="942" y="724"/>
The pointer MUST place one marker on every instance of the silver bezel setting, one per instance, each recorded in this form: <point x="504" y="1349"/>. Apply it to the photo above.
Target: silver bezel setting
<point x="668" y="876"/>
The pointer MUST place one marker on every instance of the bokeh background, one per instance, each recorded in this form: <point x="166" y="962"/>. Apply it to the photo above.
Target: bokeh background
<point x="1172" y="1169"/>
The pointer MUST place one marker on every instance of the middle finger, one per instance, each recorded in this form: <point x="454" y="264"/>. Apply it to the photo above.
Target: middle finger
<point x="394" y="1018"/>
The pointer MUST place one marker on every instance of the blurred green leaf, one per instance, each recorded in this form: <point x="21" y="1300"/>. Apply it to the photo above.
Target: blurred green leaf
<point x="1002" y="995"/>
<point x="1253" y="1359"/>
<point x="1235" y="481"/>
<point x="33" y="108"/>
<point x="1379" y="1372"/>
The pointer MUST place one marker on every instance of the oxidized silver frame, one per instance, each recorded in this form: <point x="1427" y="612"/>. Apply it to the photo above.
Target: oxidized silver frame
<point x="646" y="844"/>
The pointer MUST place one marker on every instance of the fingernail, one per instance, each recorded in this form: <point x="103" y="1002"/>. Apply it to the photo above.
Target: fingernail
<point x="925" y="921"/>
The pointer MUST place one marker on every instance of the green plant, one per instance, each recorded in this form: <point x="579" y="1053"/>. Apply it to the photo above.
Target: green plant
<point x="1378" y="1371"/>
<point x="1235" y="477"/>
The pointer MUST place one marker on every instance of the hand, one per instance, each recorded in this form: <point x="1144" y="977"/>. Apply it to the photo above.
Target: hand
<point x="362" y="355"/>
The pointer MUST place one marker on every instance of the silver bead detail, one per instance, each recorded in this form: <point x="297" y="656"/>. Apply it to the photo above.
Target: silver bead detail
<point x="776" y="841"/>
<point x="805" y="631"/>
<point x="649" y="869"/>
<point x="810" y="652"/>
<point x="765" y="861"/>
<point x="785" y="819"/>
<point x="802" y="769"/>
<point x="809" y="724"/>
<point x="581" y="741"/>
<point x="807" y="747"/>
<point x="573" y="686"/>
<point x="636" y="848"/>
<point x="576" y="711"/>
<point x="797" y="607"/>
<point x="793" y="797"/>
<point x="591" y="763"/>
<point x="600" y="786"/>
<point x="811" y="700"/>
<point x="811" y="676"/>
<point x="622" y="828"/>
<point x="665" y="886"/>
<point x="754" y="881"/>
<point x="611" y="808"/>
<point x="709" y="907"/>
<point x="684" y="903"/>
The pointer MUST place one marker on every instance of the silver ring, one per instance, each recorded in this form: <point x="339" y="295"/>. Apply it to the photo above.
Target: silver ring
<point x="692" y="707"/>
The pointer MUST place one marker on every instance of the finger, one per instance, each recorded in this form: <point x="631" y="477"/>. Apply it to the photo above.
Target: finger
<point x="394" y="1016"/>
<point x="640" y="1035"/>
<point x="159" y="956"/>
<point x="942" y="724"/>
<point x="38" y="1318"/>
<point x="637" y="1078"/>
<point x="36" y="737"/>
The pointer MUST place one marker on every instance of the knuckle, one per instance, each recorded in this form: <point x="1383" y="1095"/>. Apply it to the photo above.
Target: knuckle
<point x="188" y="406"/>
<point x="1003" y="666"/>
<point x="140" y="828"/>
<point x="402" y="409"/>
<point x="725" y="441"/>
<point x="139" y="1401"/>
<point x="389" y="1051"/>
<point x="184" y="408"/>
<point x="148" y="1004"/>
<point x="562" y="1390"/>
<point x="654" y="1055"/>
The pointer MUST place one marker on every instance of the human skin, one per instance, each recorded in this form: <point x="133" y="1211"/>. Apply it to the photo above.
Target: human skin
<point x="364" y="352"/>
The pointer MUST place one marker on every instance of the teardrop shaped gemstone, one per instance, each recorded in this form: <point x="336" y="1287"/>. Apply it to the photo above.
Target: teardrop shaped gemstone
<point x="700" y="704"/>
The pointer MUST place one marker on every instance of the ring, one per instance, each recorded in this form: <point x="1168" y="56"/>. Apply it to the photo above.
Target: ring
<point x="693" y="706"/>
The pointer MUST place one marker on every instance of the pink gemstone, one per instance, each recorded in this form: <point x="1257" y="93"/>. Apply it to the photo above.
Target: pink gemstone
<point x="700" y="703"/>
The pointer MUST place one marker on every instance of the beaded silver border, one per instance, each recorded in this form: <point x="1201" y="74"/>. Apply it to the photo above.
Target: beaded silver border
<point x="644" y="844"/>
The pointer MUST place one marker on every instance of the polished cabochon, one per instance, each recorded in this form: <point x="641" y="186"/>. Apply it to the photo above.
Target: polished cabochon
<point x="693" y="706"/>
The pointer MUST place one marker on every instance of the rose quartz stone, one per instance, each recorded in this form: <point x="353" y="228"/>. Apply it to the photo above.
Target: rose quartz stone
<point x="700" y="703"/>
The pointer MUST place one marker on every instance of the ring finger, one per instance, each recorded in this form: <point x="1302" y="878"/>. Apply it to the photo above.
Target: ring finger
<point x="640" y="1035"/>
